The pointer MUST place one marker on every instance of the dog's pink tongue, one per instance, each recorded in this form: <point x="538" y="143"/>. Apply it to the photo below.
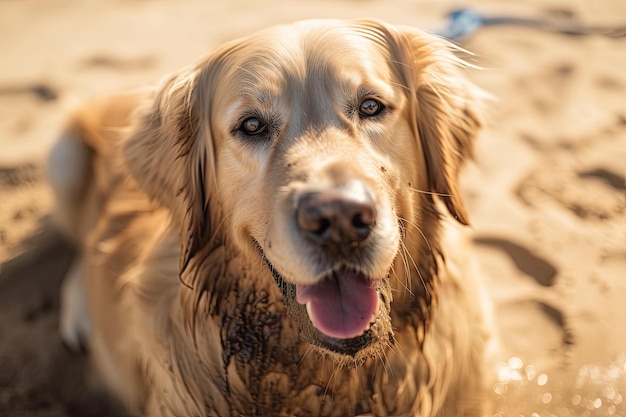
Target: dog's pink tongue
<point x="341" y="306"/>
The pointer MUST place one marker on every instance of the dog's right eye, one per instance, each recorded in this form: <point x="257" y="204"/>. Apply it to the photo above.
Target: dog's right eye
<point x="252" y="126"/>
<point x="370" y="108"/>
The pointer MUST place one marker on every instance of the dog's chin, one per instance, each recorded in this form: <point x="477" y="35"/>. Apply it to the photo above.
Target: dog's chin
<point x="349" y="335"/>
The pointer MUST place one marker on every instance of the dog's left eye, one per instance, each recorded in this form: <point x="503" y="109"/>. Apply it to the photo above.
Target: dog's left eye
<point x="370" y="107"/>
<point x="252" y="126"/>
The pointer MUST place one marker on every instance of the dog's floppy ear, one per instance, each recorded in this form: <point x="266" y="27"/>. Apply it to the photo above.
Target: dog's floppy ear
<point x="446" y="106"/>
<point x="448" y="116"/>
<point x="170" y="155"/>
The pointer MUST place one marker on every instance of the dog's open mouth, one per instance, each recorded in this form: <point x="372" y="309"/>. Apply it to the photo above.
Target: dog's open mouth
<point x="346" y="313"/>
<point x="343" y="305"/>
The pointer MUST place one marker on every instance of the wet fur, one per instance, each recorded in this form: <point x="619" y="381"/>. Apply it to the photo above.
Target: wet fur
<point x="184" y="315"/>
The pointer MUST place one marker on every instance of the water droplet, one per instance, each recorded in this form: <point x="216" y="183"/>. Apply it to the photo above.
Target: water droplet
<point x="503" y="373"/>
<point x="597" y="403"/>
<point x="563" y="412"/>
<point x="506" y="374"/>
<point x="609" y="392"/>
<point x="613" y="373"/>
<point x="595" y="373"/>
<point x="515" y="363"/>
<point x="500" y="388"/>
<point x="546" y="398"/>
<point x="576" y="399"/>
<point x="542" y="380"/>
<point x="531" y="372"/>
<point x="583" y="371"/>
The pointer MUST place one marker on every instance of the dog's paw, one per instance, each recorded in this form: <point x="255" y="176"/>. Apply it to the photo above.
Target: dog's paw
<point x="74" y="323"/>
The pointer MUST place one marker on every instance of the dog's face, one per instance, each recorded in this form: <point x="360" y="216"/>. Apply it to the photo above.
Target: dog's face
<point x="316" y="147"/>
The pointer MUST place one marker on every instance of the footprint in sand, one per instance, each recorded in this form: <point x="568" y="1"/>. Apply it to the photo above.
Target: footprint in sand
<point x="618" y="182"/>
<point x="591" y="194"/>
<point x="536" y="267"/>
<point x="577" y="176"/>
<point x="120" y="63"/>
<point x="544" y="327"/>
<point x="13" y="177"/>
<point x="41" y="91"/>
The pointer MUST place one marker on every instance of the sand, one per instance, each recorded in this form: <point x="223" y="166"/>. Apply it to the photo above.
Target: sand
<point x="546" y="190"/>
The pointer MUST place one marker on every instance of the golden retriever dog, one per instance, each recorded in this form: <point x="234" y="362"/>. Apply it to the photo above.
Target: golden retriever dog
<point x="272" y="231"/>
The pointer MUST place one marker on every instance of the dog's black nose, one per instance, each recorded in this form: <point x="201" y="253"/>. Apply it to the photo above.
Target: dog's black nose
<point x="335" y="220"/>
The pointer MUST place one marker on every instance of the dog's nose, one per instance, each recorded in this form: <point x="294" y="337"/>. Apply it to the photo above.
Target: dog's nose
<point x="334" y="219"/>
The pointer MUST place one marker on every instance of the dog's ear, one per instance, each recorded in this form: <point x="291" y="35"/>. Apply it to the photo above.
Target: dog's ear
<point x="446" y="106"/>
<point x="170" y="154"/>
<point x="448" y="116"/>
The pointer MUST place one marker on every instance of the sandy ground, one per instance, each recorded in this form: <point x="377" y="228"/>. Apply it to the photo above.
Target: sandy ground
<point x="546" y="191"/>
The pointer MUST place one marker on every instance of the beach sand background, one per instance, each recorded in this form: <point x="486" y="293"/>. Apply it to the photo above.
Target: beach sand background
<point x="546" y="191"/>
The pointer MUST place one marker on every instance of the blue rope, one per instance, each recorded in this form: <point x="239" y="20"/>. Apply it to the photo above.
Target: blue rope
<point x="462" y="23"/>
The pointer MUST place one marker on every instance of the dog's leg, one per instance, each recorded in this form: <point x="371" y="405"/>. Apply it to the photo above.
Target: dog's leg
<point x="74" y="323"/>
<point x="69" y="173"/>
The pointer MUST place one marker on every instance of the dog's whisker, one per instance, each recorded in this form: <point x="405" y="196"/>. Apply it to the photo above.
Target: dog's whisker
<point x="419" y="273"/>
<point x="308" y="354"/>
<point x="417" y="190"/>
<point x="335" y="370"/>
<point x="384" y="360"/>
<point x="397" y="278"/>
<point x="406" y="283"/>
<point x="406" y="256"/>
<point x="419" y="230"/>
<point x="393" y="272"/>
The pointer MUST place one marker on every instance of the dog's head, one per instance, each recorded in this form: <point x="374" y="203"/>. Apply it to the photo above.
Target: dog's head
<point x="318" y="147"/>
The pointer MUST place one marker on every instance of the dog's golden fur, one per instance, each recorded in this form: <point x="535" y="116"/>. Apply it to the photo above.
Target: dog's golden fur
<point x="185" y="220"/>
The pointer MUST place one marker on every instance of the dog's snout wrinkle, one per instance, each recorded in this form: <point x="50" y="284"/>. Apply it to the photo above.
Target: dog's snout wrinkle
<point x="333" y="220"/>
